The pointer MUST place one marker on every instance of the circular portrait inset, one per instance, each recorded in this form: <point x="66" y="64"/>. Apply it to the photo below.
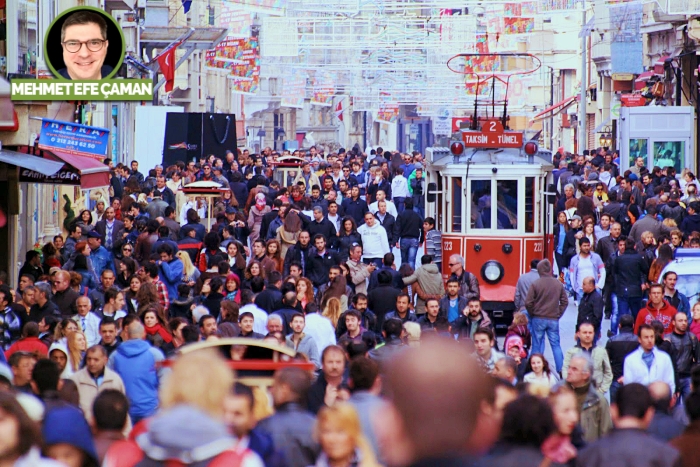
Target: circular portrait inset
<point x="84" y="43"/>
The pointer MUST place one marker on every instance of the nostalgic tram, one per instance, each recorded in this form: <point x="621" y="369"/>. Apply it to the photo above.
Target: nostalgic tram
<point x="488" y="197"/>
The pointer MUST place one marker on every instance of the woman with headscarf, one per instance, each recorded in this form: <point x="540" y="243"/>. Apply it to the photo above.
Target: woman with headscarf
<point x="257" y="211"/>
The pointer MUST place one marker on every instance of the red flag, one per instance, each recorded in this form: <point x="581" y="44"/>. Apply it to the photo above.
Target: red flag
<point x="167" y="67"/>
<point x="339" y="110"/>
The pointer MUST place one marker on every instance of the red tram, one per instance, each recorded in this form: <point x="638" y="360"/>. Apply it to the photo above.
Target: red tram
<point x="488" y="195"/>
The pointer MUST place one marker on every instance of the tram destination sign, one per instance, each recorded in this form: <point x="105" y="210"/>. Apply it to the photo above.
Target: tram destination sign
<point x="492" y="135"/>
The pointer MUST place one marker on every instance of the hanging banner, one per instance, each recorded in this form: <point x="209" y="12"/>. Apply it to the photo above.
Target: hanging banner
<point x="73" y="138"/>
<point x="241" y="58"/>
<point x="324" y="89"/>
<point x="388" y="113"/>
<point x="293" y="90"/>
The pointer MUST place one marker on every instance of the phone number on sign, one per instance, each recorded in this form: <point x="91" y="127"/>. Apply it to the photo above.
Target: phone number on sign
<point x="71" y="142"/>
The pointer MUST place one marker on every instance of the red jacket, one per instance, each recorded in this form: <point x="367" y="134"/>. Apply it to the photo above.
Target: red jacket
<point x="28" y="344"/>
<point x="664" y="315"/>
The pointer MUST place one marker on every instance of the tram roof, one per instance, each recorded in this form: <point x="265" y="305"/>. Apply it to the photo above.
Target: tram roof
<point x="491" y="157"/>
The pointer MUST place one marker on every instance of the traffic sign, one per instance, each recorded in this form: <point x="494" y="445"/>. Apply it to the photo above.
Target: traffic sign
<point x="492" y="135"/>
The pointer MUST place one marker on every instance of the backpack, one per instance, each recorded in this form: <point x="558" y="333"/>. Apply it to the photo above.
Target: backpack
<point x="626" y="220"/>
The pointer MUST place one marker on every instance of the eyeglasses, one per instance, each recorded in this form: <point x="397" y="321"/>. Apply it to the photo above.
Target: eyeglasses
<point x="128" y="249"/>
<point x="93" y="45"/>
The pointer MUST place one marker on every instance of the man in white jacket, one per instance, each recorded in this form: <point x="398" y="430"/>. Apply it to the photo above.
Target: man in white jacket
<point x="648" y="364"/>
<point x="374" y="240"/>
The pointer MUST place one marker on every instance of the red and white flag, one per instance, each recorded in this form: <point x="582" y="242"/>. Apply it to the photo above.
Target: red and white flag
<point x="167" y="66"/>
<point x="339" y="110"/>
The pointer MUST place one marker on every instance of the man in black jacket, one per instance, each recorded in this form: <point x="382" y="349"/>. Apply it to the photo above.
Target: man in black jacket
<point x="299" y="253"/>
<point x="386" y="220"/>
<point x="321" y="226"/>
<point x="590" y="309"/>
<point x="687" y="353"/>
<point x="407" y="231"/>
<point x="382" y="299"/>
<point x="270" y="299"/>
<point x="618" y="348"/>
<point x="630" y="273"/>
<point x="320" y="262"/>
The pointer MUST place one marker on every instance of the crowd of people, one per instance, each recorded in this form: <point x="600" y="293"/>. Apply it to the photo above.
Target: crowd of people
<point x="407" y="366"/>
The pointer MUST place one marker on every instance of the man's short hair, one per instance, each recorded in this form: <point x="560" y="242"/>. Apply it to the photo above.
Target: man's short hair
<point x="110" y="409"/>
<point x="363" y="373"/>
<point x="297" y="380"/>
<point x="486" y="332"/>
<point x="46" y="375"/>
<point x="241" y="390"/>
<point x="633" y="400"/>
<point x="392" y="328"/>
<point x="84" y="17"/>
<point x="643" y="327"/>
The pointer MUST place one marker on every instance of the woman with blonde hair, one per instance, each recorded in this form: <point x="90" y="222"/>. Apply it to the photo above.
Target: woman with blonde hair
<point x="65" y="327"/>
<point x="190" y="421"/>
<point x="332" y="310"/>
<point x="413" y="333"/>
<point x="336" y="289"/>
<point x="190" y="273"/>
<point x="305" y="291"/>
<point x="77" y="346"/>
<point x="339" y="432"/>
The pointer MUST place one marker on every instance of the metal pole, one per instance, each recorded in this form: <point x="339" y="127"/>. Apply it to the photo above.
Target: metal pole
<point x="582" y="104"/>
<point x="551" y="103"/>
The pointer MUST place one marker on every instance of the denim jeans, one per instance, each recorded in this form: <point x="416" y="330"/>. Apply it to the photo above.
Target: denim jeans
<point x="683" y="388"/>
<point x="420" y="210"/>
<point x="409" y="248"/>
<point x="540" y="326"/>
<point x="615" y="315"/>
<point x="613" y="390"/>
<point x="629" y="305"/>
<point x="400" y="203"/>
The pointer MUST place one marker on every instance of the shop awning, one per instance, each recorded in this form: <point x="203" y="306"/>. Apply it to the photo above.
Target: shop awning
<point x="555" y="109"/>
<point x="27" y="161"/>
<point x="93" y="173"/>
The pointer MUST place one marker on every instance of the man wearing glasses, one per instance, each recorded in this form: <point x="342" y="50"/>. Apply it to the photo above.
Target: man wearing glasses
<point x="84" y="41"/>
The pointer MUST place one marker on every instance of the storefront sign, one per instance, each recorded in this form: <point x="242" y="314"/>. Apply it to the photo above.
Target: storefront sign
<point x="633" y="100"/>
<point x="73" y="138"/>
<point x="66" y="176"/>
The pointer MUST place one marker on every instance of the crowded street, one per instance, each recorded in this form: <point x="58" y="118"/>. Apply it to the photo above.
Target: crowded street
<point x="394" y="233"/>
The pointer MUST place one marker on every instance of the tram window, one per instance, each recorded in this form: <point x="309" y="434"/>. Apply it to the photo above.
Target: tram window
<point x="481" y="203"/>
<point x="456" y="204"/>
<point x="530" y="221"/>
<point x="507" y="210"/>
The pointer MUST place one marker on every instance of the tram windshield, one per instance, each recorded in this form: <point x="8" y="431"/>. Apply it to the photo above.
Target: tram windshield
<point x="499" y="194"/>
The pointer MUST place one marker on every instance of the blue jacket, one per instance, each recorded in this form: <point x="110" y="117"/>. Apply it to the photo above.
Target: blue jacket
<point x="261" y="444"/>
<point x="135" y="361"/>
<point x="170" y="274"/>
<point x="101" y="260"/>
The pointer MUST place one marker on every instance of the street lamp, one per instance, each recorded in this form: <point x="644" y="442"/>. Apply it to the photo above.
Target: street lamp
<point x="606" y="137"/>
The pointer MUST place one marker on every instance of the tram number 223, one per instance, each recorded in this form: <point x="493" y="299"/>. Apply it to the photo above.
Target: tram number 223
<point x="447" y="246"/>
<point x="538" y="247"/>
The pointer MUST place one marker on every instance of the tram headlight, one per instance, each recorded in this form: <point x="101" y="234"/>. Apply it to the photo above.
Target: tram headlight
<point x="492" y="272"/>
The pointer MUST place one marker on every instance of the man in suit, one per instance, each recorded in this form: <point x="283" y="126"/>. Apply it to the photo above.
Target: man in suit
<point x="110" y="229"/>
<point x="87" y="321"/>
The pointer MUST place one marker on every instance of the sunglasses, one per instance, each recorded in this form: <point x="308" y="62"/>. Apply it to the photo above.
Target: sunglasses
<point x="128" y="249"/>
